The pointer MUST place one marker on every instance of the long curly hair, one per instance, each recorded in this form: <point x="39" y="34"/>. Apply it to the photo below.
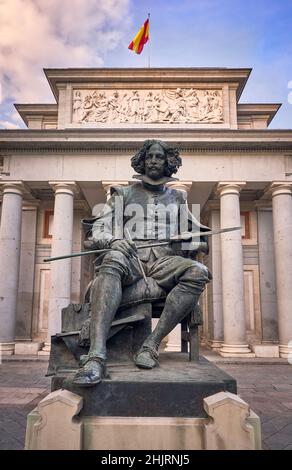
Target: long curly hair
<point x="173" y="160"/>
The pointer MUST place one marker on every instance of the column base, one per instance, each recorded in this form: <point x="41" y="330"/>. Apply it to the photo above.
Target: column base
<point x="215" y="345"/>
<point x="285" y="351"/>
<point x="7" y="349"/>
<point x="46" y="350"/>
<point x="203" y="341"/>
<point x="236" y="350"/>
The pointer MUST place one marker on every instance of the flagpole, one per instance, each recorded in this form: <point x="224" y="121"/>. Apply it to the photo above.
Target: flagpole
<point x="149" y="41"/>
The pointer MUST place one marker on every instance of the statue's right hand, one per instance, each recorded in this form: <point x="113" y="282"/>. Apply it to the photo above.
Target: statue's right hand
<point x="124" y="246"/>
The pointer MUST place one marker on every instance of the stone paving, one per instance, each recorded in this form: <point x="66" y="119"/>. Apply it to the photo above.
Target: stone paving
<point x="268" y="390"/>
<point x="22" y="386"/>
<point x="266" y="387"/>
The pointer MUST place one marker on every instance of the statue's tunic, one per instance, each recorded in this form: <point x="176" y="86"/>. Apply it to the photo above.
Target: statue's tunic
<point x="151" y="214"/>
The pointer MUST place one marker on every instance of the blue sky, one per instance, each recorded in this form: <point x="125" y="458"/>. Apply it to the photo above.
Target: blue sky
<point x="183" y="33"/>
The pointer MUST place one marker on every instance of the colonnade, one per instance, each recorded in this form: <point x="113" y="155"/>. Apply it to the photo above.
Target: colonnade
<point x="231" y="319"/>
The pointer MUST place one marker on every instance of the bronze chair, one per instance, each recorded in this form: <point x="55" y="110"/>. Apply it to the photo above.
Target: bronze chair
<point x="131" y="326"/>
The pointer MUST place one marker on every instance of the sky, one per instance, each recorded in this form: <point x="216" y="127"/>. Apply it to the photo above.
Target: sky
<point x="37" y="34"/>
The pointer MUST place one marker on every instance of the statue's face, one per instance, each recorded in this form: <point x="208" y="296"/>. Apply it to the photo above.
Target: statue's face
<point x="155" y="162"/>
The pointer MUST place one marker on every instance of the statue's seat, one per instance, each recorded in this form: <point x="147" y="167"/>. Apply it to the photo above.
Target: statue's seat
<point x="131" y="326"/>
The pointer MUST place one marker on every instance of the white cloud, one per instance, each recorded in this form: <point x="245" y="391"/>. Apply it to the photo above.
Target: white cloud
<point x="9" y="125"/>
<point x="36" y="34"/>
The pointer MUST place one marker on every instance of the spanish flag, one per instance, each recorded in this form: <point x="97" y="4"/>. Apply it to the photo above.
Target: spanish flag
<point x="140" y="39"/>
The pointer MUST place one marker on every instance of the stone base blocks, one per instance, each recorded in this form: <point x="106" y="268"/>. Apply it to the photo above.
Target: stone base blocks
<point x="266" y="350"/>
<point x="27" y="347"/>
<point x="55" y="425"/>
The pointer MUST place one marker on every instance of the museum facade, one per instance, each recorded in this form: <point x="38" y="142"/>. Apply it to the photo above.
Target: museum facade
<point x="56" y="172"/>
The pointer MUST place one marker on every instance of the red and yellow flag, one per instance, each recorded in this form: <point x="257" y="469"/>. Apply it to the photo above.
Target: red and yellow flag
<point x="140" y="39"/>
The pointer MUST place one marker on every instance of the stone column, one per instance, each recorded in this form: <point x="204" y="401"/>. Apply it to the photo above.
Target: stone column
<point x="173" y="340"/>
<point x="61" y="272"/>
<point x="232" y="273"/>
<point x="215" y="312"/>
<point x="267" y="270"/>
<point x="81" y="264"/>
<point x="10" y="239"/>
<point x="23" y="331"/>
<point x="282" y="222"/>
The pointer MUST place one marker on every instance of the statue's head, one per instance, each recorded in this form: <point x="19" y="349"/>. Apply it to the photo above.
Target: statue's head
<point x="156" y="159"/>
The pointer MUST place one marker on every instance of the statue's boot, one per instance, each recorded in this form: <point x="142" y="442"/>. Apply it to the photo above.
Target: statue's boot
<point x="105" y="299"/>
<point x="179" y="303"/>
<point x="147" y="356"/>
<point x="91" y="373"/>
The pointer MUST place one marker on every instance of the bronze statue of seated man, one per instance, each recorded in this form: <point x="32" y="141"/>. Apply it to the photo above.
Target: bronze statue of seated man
<point x="173" y="268"/>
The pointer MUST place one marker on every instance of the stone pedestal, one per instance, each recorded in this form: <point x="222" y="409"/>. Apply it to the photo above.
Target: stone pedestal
<point x="176" y="388"/>
<point x="117" y="421"/>
<point x="52" y="424"/>
<point x="233" y="426"/>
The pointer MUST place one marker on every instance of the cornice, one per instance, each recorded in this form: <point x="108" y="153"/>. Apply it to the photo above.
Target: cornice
<point x="253" y="107"/>
<point x="40" y="111"/>
<point x="109" y="141"/>
<point x="57" y="77"/>
<point x="98" y="133"/>
<point x="218" y="149"/>
<point x="249" y="110"/>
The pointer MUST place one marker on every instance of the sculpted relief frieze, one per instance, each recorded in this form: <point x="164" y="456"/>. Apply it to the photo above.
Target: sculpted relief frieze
<point x="148" y="106"/>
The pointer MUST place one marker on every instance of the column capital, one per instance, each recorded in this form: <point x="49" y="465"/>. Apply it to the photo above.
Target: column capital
<point x="14" y="187"/>
<point x="280" y="187"/>
<point x="180" y="185"/>
<point x="108" y="184"/>
<point x="229" y="187"/>
<point x="65" y="187"/>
